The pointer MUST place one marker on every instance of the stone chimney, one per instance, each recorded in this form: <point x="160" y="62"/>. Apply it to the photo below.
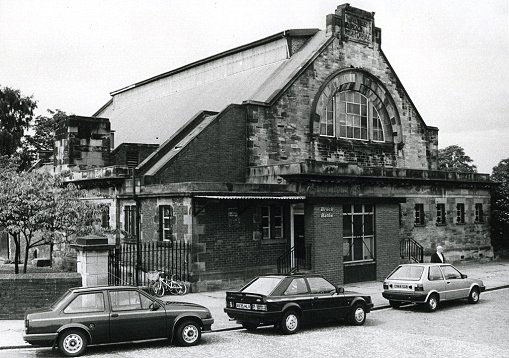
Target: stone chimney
<point x="352" y="24"/>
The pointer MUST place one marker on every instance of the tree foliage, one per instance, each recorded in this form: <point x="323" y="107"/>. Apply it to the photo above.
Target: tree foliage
<point x="454" y="159"/>
<point x="500" y="204"/>
<point x="16" y="112"/>
<point x="39" y="209"/>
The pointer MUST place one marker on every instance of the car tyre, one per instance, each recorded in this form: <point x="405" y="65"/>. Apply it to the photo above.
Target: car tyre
<point x="358" y="314"/>
<point x="474" y="296"/>
<point x="432" y="303"/>
<point x="72" y="342"/>
<point x="290" y="322"/>
<point x="250" y="326"/>
<point x="188" y="333"/>
<point x="395" y="304"/>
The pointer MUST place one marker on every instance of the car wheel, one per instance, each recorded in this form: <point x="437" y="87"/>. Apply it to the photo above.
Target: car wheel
<point x="250" y="326"/>
<point x="358" y="315"/>
<point x="290" y="322"/>
<point x="432" y="302"/>
<point x="72" y="342"/>
<point x="188" y="333"/>
<point x="474" y="295"/>
<point x="395" y="304"/>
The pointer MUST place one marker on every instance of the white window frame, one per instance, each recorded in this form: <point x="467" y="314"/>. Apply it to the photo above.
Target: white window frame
<point x="351" y="238"/>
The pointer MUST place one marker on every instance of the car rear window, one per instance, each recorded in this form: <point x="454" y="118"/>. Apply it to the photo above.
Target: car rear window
<point x="407" y="273"/>
<point x="60" y="299"/>
<point x="262" y="285"/>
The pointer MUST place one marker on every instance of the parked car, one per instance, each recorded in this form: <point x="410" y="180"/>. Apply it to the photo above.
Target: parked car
<point x="287" y="301"/>
<point x="97" y="315"/>
<point x="429" y="284"/>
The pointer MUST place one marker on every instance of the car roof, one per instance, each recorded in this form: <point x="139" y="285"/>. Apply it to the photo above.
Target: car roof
<point x="293" y="275"/>
<point x="426" y="264"/>
<point x="101" y="288"/>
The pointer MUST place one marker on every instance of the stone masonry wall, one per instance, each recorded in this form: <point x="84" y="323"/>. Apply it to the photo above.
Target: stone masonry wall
<point x="280" y="133"/>
<point x="470" y="240"/>
<point x="387" y="239"/>
<point x="19" y="293"/>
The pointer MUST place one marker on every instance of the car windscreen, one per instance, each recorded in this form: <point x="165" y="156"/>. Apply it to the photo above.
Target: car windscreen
<point x="60" y="299"/>
<point x="262" y="285"/>
<point x="407" y="273"/>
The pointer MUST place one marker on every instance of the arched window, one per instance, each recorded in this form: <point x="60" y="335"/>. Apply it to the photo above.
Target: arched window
<point x="351" y="115"/>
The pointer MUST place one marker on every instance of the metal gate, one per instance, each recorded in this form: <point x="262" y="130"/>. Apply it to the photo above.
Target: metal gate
<point x="129" y="263"/>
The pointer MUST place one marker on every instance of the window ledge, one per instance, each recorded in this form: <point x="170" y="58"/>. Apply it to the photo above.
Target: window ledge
<point x="273" y="241"/>
<point x="441" y="224"/>
<point x="359" y="263"/>
<point x="460" y="223"/>
<point x="420" y="225"/>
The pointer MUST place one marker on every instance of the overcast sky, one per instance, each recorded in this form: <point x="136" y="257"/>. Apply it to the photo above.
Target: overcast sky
<point x="452" y="56"/>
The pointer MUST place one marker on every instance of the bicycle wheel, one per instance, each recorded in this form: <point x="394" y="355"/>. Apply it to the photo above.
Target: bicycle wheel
<point x="182" y="288"/>
<point x="158" y="289"/>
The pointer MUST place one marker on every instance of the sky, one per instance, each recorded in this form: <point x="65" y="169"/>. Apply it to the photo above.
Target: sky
<point x="451" y="56"/>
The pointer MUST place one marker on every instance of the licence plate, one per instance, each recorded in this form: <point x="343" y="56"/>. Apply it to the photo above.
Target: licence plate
<point x="243" y="306"/>
<point x="400" y="286"/>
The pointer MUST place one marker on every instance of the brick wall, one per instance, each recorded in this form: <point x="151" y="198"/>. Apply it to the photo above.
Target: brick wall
<point x="18" y="293"/>
<point x="326" y="235"/>
<point x="387" y="239"/>
<point x="229" y="236"/>
<point x="217" y="154"/>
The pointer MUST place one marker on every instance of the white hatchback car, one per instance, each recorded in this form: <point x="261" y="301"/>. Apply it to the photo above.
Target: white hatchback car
<point x="429" y="284"/>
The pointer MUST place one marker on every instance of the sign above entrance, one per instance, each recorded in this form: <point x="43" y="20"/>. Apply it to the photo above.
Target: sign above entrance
<point x="326" y="212"/>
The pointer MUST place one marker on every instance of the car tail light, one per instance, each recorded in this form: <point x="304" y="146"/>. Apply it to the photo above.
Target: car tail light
<point x="386" y="286"/>
<point x="259" y="307"/>
<point x="26" y="324"/>
<point x="419" y="287"/>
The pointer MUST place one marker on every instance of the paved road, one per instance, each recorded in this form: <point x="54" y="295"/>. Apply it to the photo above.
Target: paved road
<point x="456" y="330"/>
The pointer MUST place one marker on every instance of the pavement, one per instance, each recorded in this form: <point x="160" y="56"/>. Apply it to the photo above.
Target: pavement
<point x="494" y="274"/>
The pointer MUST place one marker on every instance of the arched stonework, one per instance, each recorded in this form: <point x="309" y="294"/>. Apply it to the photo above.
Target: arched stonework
<point x="361" y="81"/>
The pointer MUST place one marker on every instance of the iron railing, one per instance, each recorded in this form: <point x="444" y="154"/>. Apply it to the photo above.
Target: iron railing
<point x="171" y="258"/>
<point x="294" y="260"/>
<point x="411" y="250"/>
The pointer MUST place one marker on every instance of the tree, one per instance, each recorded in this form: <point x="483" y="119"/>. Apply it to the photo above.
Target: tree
<point x="16" y="112"/>
<point x="38" y="209"/>
<point x="454" y="159"/>
<point x="500" y="204"/>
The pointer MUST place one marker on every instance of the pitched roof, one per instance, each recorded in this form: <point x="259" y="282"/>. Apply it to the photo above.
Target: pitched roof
<point x="153" y="110"/>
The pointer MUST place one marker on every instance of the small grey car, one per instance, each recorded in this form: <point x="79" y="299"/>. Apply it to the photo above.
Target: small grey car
<point x="429" y="284"/>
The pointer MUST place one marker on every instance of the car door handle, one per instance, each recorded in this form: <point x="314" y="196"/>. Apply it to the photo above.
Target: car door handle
<point x="113" y="315"/>
<point x="448" y="282"/>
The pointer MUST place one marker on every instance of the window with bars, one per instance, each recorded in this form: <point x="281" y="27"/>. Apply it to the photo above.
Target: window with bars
<point x="351" y="115"/>
<point x="419" y="214"/>
<point x="479" y="215"/>
<point x="165" y="223"/>
<point x="440" y="214"/>
<point x="460" y="213"/>
<point x="358" y="232"/>
<point x="130" y="220"/>
<point x="272" y="220"/>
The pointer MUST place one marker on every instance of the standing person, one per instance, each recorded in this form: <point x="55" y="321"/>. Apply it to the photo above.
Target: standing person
<point x="438" y="257"/>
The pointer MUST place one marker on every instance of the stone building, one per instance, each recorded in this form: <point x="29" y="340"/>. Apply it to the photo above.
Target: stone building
<point x="300" y="148"/>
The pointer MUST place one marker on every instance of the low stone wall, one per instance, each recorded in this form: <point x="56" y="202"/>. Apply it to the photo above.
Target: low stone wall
<point x="19" y="293"/>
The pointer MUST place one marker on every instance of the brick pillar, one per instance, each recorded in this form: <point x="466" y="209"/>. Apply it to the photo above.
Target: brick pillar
<point x="324" y="230"/>
<point x="387" y="239"/>
<point x="92" y="260"/>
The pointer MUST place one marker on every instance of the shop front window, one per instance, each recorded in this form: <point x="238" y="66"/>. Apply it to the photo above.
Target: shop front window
<point x="358" y="232"/>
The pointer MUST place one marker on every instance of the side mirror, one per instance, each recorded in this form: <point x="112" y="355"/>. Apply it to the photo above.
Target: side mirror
<point x="340" y="290"/>
<point x="154" y="306"/>
<point x="463" y="276"/>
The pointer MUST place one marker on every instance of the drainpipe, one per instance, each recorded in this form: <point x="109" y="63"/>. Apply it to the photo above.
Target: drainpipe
<point x="137" y="230"/>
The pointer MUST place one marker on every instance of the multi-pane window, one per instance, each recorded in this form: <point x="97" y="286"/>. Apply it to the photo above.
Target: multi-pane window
<point x="419" y="214"/>
<point x="440" y="214"/>
<point x="351" y="115"/>
<point x="479" y="215"/>
<point x="130" y="219"/>
<point x="358" y="232"/>
<point x="165" y="223"/>
<point x="272" y="222"/>
<point x="327" y="122"/>
<point x="460" y="213"/>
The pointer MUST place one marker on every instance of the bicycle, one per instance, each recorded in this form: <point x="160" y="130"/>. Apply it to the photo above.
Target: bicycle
<point x="158" y="285"/>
